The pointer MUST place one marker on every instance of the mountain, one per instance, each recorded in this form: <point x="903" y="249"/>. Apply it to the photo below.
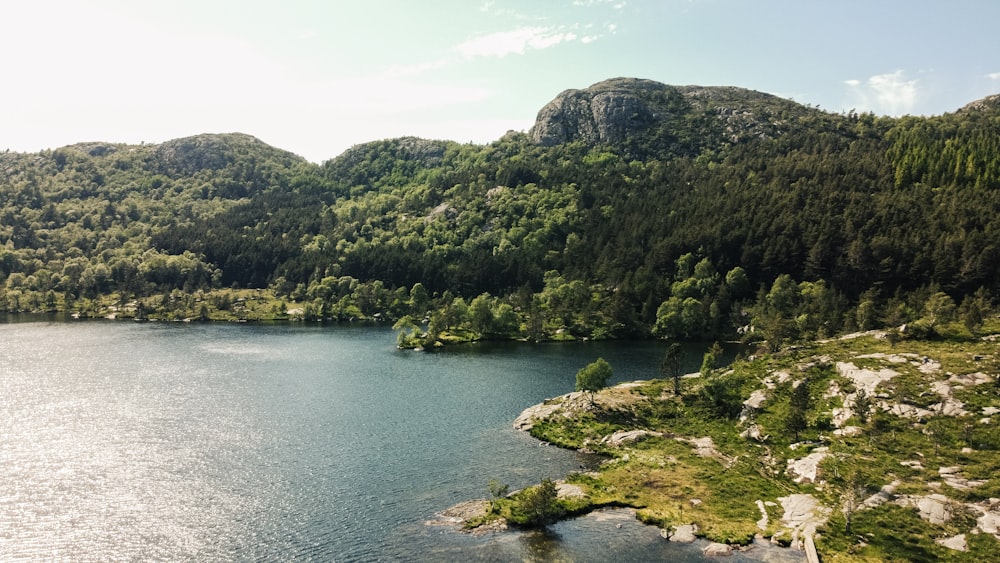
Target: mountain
<point x="631" y="208"/>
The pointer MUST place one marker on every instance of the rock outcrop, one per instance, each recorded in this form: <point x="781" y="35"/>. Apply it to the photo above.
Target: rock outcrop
<point x="632" y="111"/>
<point x="685" y="534"/>
<point x="212" y="152"/>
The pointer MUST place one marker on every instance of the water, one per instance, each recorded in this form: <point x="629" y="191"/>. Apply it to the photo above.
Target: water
<point x="125" y="441"/>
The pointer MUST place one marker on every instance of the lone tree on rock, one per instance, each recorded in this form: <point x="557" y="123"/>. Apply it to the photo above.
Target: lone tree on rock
<point x="538" y="506"/>
<point x="593" y="377"/>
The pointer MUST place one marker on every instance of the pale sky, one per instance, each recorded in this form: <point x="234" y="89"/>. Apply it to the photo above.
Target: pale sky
<point x="315" y="77"/>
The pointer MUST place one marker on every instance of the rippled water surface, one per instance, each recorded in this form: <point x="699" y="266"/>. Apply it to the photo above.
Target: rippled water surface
<point x="127" y="441"/>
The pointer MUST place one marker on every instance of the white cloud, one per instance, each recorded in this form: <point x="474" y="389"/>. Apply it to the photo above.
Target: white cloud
<point x="616" y="4"/>
<point x="993" y="76"/>
<point x="894" y="93"/>
<point x="515" y="42"/>
<point x="890" y="93"/>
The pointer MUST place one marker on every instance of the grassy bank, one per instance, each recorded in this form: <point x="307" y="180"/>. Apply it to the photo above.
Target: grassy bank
<point x="891" y="444"/>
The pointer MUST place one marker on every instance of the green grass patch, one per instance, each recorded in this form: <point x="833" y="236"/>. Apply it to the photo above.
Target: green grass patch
<point x="669" y="485"/>
<point x="895" y="533"/>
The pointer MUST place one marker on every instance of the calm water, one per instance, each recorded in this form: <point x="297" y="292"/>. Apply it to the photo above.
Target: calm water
<point x="123" y="441"/>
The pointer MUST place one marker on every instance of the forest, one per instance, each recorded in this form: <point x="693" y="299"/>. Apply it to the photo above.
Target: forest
<point x="801" y="223"/>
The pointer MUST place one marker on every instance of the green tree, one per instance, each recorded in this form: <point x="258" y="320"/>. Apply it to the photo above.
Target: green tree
<point x="866" y="314"/>
<point x="408" y="332"/>
<point x="939" y="308"/>
<point x="497" y="490"/>
<point x="593" y="377"/>
<point x="419" y="299"/>
<point x="798" y="407"/>
<point x="538" y="506"/>
<point x="723" y="396"/>
<point x="862" y="405"/>
<point x="710" y="360"/>
<point x="481" y="315"/>
<point x="974" y="309"/>
<point x="670" y="366"/>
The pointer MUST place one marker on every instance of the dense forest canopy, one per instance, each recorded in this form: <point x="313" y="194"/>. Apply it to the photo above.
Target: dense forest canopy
<point x="632" y="208"/>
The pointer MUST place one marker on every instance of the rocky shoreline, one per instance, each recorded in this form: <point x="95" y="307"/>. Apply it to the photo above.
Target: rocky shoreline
<point x="800" y="511"/>
<point x="893" y="441"/>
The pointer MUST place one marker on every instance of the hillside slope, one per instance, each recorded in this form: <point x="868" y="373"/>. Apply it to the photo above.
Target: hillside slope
<point x="631" y="208"/>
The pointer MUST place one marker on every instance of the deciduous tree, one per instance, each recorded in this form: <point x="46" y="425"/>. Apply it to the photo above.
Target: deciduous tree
<point x="593" y="377"/>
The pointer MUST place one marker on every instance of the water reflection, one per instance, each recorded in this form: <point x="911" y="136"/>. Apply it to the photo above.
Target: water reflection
<point x="541" y="545"/>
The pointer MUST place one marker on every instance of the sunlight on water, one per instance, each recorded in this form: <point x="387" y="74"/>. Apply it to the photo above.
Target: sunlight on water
<point x="146" y="442"/>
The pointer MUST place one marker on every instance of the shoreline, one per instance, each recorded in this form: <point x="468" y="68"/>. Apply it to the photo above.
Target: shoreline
<point x="741" y="453"/>
<point x="760" y="549"/>
<point x="801" y="548"/>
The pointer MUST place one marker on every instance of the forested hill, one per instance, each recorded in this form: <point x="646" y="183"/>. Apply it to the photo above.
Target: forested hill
<point x="631" y="208"/>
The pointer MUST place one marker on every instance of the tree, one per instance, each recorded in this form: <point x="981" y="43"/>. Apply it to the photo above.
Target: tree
<point x="723" y="396"/>
<point x="853" y="485"/>
<point x="481" y="315"/>
<point x="799" y="405"/>
<point x="974" y="310"/>
<point x="711" y="359"/>
<point x="670" y="366"/>
<point x="419" y="299"/>
<point x="498" y="490"/>
<point x="593" y="377"/>
<point x="408" y="332"/>
<point x="862" y="405"/>
<point x="940" y="308"/>
<point x="538" y="506"/>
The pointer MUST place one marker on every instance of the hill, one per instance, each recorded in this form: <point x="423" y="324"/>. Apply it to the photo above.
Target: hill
<point x="631" y="208"/>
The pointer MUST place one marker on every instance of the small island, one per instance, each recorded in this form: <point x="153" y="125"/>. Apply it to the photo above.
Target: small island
<point x="862" y="448"/>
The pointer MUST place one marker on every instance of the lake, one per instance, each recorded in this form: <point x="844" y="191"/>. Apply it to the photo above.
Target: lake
<point x="124" y="441"/>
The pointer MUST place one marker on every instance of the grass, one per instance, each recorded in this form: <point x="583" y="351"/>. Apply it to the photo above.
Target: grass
<point x="669" y="485"/>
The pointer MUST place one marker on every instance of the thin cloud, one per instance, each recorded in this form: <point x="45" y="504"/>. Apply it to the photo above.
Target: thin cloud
<point x="515" y="42"/>
<point x="501" y="44"/>
<point x="616" y="4"/>
<point x="993" y="76"/>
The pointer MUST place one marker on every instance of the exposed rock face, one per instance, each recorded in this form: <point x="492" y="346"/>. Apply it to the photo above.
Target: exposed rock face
<point x="885" y="494"/>
<point x="604" y="113"/>
<point x="94" y="149"/>
<point x="985" y="104"/>
<point x="527" y="419"/>
<point x="210" y="152"/>
<point x="866" y="379"/>
<point x="628" y="436"/>
<point x="935" y="508"/>
<point x="803" y="514"/>
<point x="566" y="490"/>
<point x="684" y="534"/>
<point x="957" y="543"/>
<point x="623" y="109"/>
<point x="717" y="549"/>
<point x="806" y="470"/>
<point x="426" y="152"/>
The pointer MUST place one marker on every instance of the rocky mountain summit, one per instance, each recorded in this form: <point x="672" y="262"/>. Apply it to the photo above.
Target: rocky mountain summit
<point x="636" y="112"/>
<point x="214" y="152"/>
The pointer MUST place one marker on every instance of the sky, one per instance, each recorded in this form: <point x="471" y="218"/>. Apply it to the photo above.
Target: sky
<point x="316" y="77"/>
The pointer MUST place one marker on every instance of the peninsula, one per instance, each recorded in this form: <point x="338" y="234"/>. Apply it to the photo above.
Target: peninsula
<point x="861" y="448"/>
